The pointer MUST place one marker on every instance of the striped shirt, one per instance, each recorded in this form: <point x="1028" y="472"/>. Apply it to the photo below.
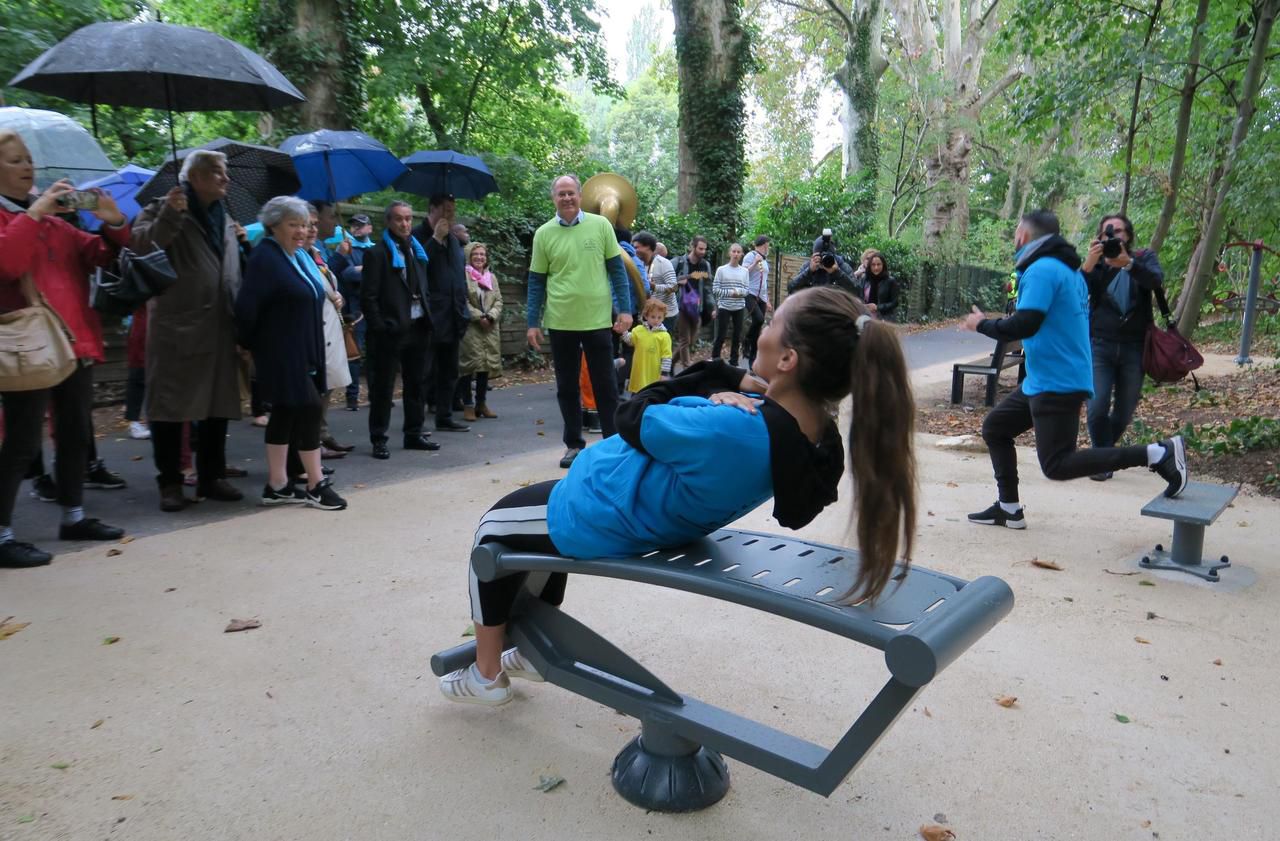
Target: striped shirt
<point x="730" y="287"/>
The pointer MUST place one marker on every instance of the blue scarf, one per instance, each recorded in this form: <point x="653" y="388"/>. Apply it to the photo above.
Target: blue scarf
<point x="1119" y="289"/>
<point x="362" y="243"/>
<point x="397" y="257"/>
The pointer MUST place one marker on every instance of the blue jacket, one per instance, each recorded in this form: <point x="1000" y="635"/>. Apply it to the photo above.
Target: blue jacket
<point x="1059" y="356"/>
<point x="658" y="483"/>
<point x="280" y="319"/>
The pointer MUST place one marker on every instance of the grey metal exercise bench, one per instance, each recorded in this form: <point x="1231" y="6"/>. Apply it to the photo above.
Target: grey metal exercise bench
<point x="1004" y="355"/>
<point x="923" y="621"/>
<point x="1199" y="505"/>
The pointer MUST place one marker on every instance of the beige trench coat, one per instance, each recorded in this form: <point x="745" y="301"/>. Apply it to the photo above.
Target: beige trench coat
<point x="192" y="364"/>
<point x="482" y="349"/>
<point x="337" y="372"/>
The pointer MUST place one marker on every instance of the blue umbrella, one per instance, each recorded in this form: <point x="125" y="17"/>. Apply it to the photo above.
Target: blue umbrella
<point x="446" y="173"/>
<point x="334" y="165"/>
<point x="123" y="187"/>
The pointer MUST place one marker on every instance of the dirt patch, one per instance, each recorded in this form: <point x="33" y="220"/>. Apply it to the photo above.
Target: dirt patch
<point x="1162" y="411"/>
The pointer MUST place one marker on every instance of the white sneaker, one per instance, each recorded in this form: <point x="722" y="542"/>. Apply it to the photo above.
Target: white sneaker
<point x="516" y="665"/>
<point x="468" y="686"/>
<point x="139" y="431"/>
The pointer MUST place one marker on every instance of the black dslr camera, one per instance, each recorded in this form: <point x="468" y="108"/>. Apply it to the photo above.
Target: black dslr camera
<point x="828" y="260"/>
<point x="1112" y="245"/>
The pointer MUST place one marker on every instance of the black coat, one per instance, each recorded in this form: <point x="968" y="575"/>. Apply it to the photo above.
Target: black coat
<point x="807" y="278"/>
<point x="1105" y="320"/>
<point x="280" y="319"/>
<point x="447" y="283"/>
<point x="386" y="294"/>
<point x="887" y="294"/>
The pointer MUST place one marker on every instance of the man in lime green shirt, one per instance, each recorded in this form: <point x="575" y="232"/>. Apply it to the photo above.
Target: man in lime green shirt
<point x="577" y="282"/>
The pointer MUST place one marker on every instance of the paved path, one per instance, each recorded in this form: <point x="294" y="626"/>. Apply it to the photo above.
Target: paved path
<point x="528" y="419"/>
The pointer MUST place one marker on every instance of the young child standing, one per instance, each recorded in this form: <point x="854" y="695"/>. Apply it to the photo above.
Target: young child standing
<point x="652" y="343"/>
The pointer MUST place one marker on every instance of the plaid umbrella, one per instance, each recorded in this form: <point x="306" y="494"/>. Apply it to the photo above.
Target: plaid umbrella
<point x="258" y="173"/>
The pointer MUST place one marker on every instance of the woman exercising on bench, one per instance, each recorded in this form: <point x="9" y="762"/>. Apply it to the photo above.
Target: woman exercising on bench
<point x="664" y="480"/>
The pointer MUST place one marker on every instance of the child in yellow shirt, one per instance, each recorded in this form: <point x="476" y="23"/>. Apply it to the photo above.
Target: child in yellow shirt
<point x="652" y="343"/>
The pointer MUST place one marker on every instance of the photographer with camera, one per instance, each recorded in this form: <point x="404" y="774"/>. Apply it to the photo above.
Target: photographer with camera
<point x="1121" y="282"/>
<point x="825" y="269"/>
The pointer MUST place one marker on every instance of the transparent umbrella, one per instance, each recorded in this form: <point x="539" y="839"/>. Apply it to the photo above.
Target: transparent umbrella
<point x="60" y="147"/>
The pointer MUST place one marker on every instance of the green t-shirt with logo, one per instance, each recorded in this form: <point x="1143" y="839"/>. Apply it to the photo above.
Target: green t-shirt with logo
<point x="579" y="296"/>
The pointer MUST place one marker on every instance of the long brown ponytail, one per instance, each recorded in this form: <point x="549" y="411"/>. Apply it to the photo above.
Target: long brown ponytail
<point x="867" y="363"/>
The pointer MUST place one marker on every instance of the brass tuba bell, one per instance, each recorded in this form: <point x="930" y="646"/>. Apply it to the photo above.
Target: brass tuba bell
<point x="613" y="197"/>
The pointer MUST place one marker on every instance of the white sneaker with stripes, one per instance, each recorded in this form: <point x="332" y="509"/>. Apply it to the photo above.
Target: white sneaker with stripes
<point x="515" y="665"/>
<point x="468" y="686"/>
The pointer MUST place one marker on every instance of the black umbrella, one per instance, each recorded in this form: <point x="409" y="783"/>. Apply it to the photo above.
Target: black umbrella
<point x="157" y="65"/>
<point x="258" y="173"/>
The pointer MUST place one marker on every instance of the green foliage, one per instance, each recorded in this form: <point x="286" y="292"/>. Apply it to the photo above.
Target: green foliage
<point x="1240" y="435"/>
<point x="794" y="214"/>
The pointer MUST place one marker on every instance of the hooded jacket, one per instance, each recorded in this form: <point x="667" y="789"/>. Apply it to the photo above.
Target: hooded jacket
<point x="681" y="467"/>
<point x="1105" y="319"/>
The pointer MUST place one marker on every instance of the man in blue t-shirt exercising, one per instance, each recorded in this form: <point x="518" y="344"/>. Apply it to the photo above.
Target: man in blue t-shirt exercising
<point x="1052" y="320"/>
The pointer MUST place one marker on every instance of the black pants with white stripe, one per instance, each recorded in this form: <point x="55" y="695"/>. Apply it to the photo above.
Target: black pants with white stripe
<point x="518" y="521"/>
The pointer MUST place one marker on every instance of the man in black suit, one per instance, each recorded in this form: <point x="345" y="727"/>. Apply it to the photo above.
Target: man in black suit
<point x="447" y="301"/>
<point x="394" y="298"/>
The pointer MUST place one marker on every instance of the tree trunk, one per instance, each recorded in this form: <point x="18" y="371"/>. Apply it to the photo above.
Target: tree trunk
<point x="1194" y="295"/>
<point x="859" y="81"/>
<point x="713" y="58"/>
<point x="320" y="22"/>
<point x="946" y="220"/>
<point x="1181" y="130"/>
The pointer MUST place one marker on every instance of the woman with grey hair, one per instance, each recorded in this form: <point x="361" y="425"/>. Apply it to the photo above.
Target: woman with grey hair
<point x="279" y="313"/>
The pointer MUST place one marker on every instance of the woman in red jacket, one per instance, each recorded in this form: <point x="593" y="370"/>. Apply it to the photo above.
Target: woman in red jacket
<point x="59" y="259"/>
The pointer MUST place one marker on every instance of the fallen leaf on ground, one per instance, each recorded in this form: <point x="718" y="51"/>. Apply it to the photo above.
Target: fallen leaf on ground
<point x="128" y="538"/>
<point x="952" y="485"/>
<point x="1152" y="615"/>
<point x="111" y="553"/>
<point x="122" y="797"/>
<point x="26" y="819"/>
<point x="1217" y="662"/>
<point x="1036" y="562"/>
<point x="135" y="458"/>
<point x="933" y="832"/>
<point x="1112" y="572"/>
<point x="359" y="485"/>
<point x="8" y="629"/>
<point x="110" y="640"/>
<point x="1007" y="701"/>
<point x="1145" y="583"/>
<point x="545" y="783"/>
<point x="540" y="432"/>
<point x="61" y="766"/>
<point x="1145" y="824"/>
<point x="1123" y="719"/>
<point x="97" y="724"/>
<point x="1142" y="641"/>
<point x="469" y="631"/>
<point x="927" y="714"/>
<point x="170" y="589"/>
<point x="241" y="625"/>
<point x="539" y="421"/>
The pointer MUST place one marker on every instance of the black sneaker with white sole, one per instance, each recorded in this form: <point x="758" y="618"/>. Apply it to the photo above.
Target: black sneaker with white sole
<point x="1173" y="467"/>
<point x="997" y="516"/>
<point x="288" y="495"/>
<point x="98" y="476"/>
<point x="324" y="497"/>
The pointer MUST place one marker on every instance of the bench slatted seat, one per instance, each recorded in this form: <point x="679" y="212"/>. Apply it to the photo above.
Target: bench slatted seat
<point x="1005" y="355"/>
<point x="924" y="620"/>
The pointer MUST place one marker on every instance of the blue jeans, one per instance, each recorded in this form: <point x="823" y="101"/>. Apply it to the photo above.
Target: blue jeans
<point x="1117" y="367"/>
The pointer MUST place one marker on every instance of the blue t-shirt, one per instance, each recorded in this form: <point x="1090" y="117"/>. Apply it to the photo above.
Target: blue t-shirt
<point x="1059" y="358"/>
<point x="617" y="501"/>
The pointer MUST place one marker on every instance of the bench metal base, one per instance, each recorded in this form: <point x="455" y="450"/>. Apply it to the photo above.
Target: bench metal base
<point x="662" y="772"/>
<point x="1196" y="509"/>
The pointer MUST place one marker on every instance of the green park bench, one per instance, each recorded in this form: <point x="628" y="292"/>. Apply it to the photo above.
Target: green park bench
<point x="922" y="622"/>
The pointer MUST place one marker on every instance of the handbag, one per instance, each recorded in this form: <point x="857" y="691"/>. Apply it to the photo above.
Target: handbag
<point x="1167" y="355"/>
<point x="349" y="339"/>
<point x="36" y="349"/>
<point x="690" y="302"/>
<point x="131" y="281"/>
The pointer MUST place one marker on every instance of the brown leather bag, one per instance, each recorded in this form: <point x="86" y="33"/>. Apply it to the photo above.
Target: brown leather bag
<point x="349" y="339"/>
<point x="36" y="349"/>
